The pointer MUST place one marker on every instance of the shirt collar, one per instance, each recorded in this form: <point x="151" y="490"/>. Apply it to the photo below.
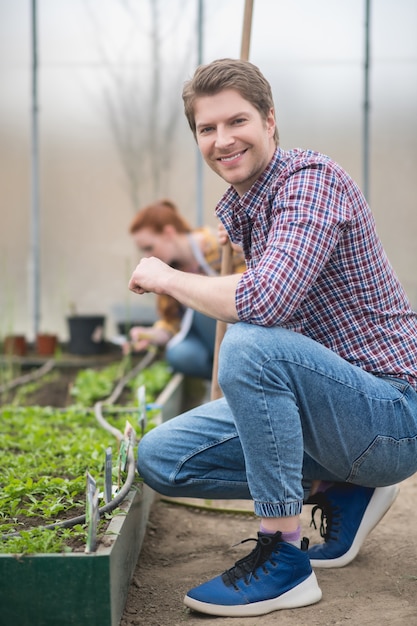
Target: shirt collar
<point x="250" y="200"/>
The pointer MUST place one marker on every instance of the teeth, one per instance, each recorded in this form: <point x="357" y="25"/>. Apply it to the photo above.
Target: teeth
<point x="231" y="157"/>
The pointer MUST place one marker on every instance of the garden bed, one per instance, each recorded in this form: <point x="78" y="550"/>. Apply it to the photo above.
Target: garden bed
<point x="79" y="588"/>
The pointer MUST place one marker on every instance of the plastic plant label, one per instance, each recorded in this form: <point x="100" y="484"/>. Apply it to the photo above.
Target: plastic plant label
<point x="130" y="434"/>
<point x="142" y="409"/>
<point x="122" y="460"/>
<point x="92" y="514"/>
<point x="91" y="543"/>
<point x="90" y="491"/>
<point x="123" y="450"/>
<point x="108" y="476"/>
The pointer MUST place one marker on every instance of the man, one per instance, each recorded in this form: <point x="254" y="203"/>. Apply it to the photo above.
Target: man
<point x="318" y="367"/>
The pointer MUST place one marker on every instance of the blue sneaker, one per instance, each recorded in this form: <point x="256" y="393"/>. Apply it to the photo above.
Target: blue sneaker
<point x="275" y="575"/>
<point x="348" y="514"/>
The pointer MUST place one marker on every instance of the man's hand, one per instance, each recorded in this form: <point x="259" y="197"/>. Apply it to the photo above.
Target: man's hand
<point x="150" y="275"/>
<point x="211" y="295"/>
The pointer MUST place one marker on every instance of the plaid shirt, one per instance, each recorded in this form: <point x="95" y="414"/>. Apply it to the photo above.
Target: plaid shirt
<point x="316" y="265"/>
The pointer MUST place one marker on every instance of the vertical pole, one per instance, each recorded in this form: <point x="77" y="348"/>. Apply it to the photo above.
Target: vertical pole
<point x="366" y="102"/>
<point x="227" y="253"/>
<point x="246" y="31"/>
<point x="199" y="158"/>
<point x="34" y="265"/>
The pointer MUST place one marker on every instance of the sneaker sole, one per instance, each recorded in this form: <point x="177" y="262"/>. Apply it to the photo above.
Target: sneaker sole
<point x="307" y="592"/>
<point x="379" y="504"/>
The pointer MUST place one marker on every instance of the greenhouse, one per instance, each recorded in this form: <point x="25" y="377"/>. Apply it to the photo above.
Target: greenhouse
<point x="208" y="326"/>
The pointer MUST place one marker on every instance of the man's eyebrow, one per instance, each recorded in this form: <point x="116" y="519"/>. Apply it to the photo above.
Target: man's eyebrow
<point x="229" y="119"/>
<point x="201" y="124"/>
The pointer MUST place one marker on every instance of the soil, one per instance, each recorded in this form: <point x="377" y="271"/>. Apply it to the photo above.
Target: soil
<point x="56" y="393"/>
<point x="54" y="389"/>
<point x="184" y="547"/>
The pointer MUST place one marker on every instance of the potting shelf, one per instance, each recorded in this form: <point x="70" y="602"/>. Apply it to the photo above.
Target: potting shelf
<point x="66" y="359"/>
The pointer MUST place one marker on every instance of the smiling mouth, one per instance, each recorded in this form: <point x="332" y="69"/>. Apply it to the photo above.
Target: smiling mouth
<point x="232" y="157"/>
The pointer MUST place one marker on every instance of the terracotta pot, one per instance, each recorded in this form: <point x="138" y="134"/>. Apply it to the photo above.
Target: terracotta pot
<point x="15" y="344"/>
<point x="46" y="344"/>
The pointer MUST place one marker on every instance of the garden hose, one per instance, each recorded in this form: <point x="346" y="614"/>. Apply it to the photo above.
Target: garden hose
<point x="145" y="362"/>
<point x="131" y="466"/>
<point x="29" y="378"/>
<point x="208" y="508"/>
<point x="107" y="508"/>
<point x="110" y="506"/>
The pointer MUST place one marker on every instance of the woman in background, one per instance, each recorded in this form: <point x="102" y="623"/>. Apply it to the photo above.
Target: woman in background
<point x="159" y="230"/>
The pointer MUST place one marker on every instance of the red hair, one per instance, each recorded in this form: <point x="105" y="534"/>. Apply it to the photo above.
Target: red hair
<point x="158" y="215"/>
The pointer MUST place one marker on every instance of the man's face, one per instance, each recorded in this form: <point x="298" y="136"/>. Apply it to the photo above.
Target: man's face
<point x="160" y="245"/>
<point x="235" y="141"/>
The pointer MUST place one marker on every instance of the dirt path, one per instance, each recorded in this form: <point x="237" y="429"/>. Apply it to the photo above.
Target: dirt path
<point x="184" y="547"/>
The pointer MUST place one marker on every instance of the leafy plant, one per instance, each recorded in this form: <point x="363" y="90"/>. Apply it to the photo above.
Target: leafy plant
<point x="39" y="540"/>
<point x="44" y="456"/>
<point x="154" y="378"/>
<point x="91" y="385"/>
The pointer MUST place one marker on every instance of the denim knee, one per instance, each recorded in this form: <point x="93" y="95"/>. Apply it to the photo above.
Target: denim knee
<point x="150" y="463"/>
<point x="240" y="348"/>
<point x="229" y="351"/>
<point x="143" y="455"/>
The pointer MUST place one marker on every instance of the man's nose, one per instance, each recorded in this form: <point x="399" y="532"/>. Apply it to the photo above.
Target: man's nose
<point x="224" y="137"/>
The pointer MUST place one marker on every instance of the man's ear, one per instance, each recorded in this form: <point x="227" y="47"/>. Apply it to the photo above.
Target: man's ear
<point x="270" y="122"/>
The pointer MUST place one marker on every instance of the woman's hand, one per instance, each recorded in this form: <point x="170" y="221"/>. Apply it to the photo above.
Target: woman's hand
<point x="141" y="337"/>
<point x="223" y="238"/>
<point x="222" y="235"/>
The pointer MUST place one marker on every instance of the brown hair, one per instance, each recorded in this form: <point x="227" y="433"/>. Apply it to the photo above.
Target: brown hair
<point x="158" y="215"/>
<point x="242" y="76"/>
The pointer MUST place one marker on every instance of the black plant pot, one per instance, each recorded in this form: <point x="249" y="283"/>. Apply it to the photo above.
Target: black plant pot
<point x="86" y="334"/>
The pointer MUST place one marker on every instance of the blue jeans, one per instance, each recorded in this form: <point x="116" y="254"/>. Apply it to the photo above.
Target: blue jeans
<point x="193" y="355"/>
<point x="293" y="411"/>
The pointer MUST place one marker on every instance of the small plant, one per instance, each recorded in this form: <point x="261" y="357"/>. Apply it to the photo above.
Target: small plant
<point x="40" y="540"/>
<point x="91" y="385"/>
<point x="153" y="378"/>
<point x="44" y="455"/>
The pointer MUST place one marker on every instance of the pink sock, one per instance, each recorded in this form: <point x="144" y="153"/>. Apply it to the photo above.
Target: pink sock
<point x="293" y="537"/>
<point x="323" y="486"/>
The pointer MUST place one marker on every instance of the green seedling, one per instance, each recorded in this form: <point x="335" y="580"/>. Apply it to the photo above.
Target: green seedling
<point x="153" y="378"/>
<point x="44" y="454"/>
<point x="92" y="385"/>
